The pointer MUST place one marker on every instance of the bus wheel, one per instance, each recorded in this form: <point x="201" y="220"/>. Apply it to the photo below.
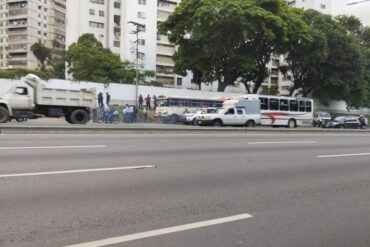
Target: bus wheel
<point x="292" y="123"/>
<point x="250" y="124"/>
<point x="217" y="123"/>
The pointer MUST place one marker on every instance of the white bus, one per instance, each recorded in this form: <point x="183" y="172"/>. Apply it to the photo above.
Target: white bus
<point x="172" y="109"/>
<point x="284" y="111"/>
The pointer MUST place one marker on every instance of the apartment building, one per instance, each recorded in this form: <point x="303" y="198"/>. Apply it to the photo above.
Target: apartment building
<point x="112" y="23"/>
<point x="25" y="22"/>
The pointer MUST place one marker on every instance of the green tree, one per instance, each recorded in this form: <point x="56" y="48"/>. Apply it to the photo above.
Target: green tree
<point x="228" y="40"/>
<point x="88" y="60"/>
<point x="42" y="54"/>
<point x="331" y="66"/>
<point x="273" y="28"/>
<point x="210" y="36"/>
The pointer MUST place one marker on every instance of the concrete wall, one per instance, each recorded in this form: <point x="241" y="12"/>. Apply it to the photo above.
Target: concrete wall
<point x="125" y="94"/>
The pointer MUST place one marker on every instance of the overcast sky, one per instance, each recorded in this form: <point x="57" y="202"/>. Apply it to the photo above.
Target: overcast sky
<point x="361" y="10"/>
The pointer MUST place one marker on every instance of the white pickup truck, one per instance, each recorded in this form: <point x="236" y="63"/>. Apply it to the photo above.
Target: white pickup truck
<point x="36" y="99"/>
<point x="235" y="113"/>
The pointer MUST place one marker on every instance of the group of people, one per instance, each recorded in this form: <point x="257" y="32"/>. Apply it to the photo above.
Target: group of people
<point x="129" y="114"/>
<point x="148" y="102"/>
<point x="109" y="114"/>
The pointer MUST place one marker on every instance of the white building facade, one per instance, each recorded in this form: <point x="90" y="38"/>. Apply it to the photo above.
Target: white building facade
<point x="111" y="21"/>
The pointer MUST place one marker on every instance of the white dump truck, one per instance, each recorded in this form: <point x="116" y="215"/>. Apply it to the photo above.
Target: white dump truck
<point x="36" y="99"/>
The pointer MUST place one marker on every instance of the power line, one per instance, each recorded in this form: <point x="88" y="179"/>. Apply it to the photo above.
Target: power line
<point x="358" y="2"/>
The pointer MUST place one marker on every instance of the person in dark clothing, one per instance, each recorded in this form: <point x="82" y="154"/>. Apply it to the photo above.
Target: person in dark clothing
<point x="155" y="101"/>
<point x="100" y="100"/>
<point x="147" y="101"/>
<point x="108" y="98"/>
<point x="141" y="101"/>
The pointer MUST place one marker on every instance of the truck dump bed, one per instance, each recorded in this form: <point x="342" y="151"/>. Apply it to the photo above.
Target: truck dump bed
<point x="60" y="97"/>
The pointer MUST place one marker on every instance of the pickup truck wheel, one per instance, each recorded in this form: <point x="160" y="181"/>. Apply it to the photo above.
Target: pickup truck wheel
<point x="217" y="123"/>
<point x="4" y="115"/>
<point x="250" y="124"/>
<point x="79" y="117"/>
<point x="195" y="122"/>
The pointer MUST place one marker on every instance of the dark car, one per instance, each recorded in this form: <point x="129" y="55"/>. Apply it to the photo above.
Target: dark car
<point x="348" y="122"/>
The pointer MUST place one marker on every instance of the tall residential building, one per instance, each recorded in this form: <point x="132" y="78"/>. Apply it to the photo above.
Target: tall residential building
<point x="25" y="22"/>
<point x="111" y="21"/>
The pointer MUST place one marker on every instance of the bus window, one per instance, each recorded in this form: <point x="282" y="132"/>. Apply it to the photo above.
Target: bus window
<point x="184" y="103"/>
<point x="174" y="102"/>
<point x="163" y="102"/>
<point x="301" y="106"/>
<point x="274" y="104"/>
<point x="218" y="104"/>
<point x="308" y="106"/>
<point x="195" y="103"/>
<point x="284" y="105"/>
<point x="264" y="103"/>
<point x="293" y="105"/>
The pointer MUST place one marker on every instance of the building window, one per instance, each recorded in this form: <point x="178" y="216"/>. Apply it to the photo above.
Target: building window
<point x="97" y="1"/>
<point x="141" y="15"/>
<point x="96" y="24"/>
<point x="101" y="13"/>
<point x="141" y="42"/>
<point x="323" y="6"/>
<point x="116" y="44"/>
<point x="142" y="2"/>
<point x="117" y="5"/>
<point x="179" y="81"/>
<point x="141" y="55"/>
<point x="92" y="12"/>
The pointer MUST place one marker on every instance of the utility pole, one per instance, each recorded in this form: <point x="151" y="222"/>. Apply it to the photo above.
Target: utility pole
<point x="139" y="28"/>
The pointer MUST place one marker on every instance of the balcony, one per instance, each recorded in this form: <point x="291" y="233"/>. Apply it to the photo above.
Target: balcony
<point x="17" y="23"/>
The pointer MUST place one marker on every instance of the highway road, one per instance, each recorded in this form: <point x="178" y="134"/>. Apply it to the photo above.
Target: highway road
<point x="186" y="190"/>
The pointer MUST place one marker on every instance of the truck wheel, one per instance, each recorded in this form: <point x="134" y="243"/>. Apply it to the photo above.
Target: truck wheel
<point x="250" y="124"/>
<point x="217" y="123"/>
<point x="4" y="115"/>
<point x="79" y="117"/>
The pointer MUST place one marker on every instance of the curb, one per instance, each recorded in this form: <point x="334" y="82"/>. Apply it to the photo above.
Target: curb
<point x="159" y="130"/>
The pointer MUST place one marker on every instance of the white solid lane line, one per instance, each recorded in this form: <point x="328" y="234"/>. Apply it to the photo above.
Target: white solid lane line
<point x="287" y="142"/>
<point x="163" y="231"/>
<point x="342" y="155"/>
<point x="53" y="147"/>
<point x="74" y="171"/>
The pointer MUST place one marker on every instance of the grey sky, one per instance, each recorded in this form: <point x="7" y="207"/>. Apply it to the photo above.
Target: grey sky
<point x="361" y="10"/>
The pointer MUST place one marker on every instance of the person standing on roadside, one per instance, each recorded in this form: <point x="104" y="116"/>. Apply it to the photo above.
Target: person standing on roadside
<point x="147" y="101"/>
<point x="107" y="98"/>
<point x="134" y="116"/>
<point x="100" y="100"/>
<point x="141" y="101"/>
<point x="155" y="101"/>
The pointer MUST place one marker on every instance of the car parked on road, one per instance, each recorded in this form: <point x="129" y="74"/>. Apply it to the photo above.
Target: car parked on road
<point x="320" y="118"/>
<point x="190" y="118"/>
<point x="343" y="122"/>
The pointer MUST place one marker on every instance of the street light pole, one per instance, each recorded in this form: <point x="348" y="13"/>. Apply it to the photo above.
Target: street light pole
<point x="139" y="28"/>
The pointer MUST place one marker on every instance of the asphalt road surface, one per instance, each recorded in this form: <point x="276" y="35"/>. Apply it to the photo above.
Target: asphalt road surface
<point x="185" y="190"/>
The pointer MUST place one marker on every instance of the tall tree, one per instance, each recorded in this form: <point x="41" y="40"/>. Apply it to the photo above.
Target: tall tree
<point x="210" y="35"/>
<point x="42" y="54"/>
<point x="331" y="66"/>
